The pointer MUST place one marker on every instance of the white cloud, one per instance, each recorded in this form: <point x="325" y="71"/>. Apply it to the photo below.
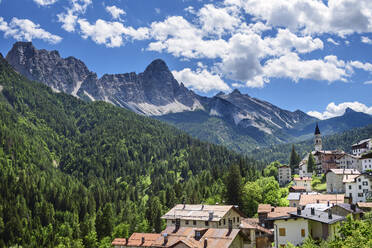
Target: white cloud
<point x="366" y="40"/>
<point x="70" y="17"/>
<point x="44" y="2"/>
<point x="330" y="40"/>
<point x="362" y="66"/>
<point x="24" y="29"/>
<point x="115" y="12"/>
<point x="110" y="34"/>
<point x="291" y="66"/>
<point x="333" y="110"/>
<point x="200" y="80"/>
<point x="368" y="82"/>
<point x="341" y="17"/>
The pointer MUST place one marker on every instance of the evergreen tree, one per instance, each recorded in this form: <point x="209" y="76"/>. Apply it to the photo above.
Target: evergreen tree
<point x="294" y="159"/>
<point x="234" y="186"/>
<point x="310" y="163"/>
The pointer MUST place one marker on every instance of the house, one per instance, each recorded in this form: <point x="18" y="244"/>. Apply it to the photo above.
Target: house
<point x="297" y="189"/>
<point x="303" y="167"/>
<point x="266" y="212"/>
<point x="344" y="209"/>
<point x="335" y="179"/>
<point x="136" y="240"/>
<point x="304" y="182"/>
<point x="258" y="235"/>
<point x="294" y="199"/>
<point x="203" y="216"/>
<point x="362" y="147"/>
<point x="327" y="160"/>
<point x="366" y="162"/>
<point x="284" y="174"/>
<point x="321" y="198"/>
<point x="359" y="187"/>
<point x="348" y="161"/>
<point x="194" y="237"/>
<point x="301" y="224"/>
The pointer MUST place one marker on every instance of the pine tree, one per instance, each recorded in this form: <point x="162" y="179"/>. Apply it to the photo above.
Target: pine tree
<point x="294" y="159"/>
<point x="234" y="186"/>
<point x="310" y="163"/>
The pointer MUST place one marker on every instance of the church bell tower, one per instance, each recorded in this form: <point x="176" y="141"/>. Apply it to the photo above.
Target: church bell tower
<point x="318" y="139"/>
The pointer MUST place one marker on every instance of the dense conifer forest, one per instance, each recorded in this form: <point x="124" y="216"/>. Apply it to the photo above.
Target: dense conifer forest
<point x="77" y="174"/>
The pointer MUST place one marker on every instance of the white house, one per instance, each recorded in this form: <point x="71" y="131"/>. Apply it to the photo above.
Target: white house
<point x="348" y="161"/>
<point x="359" y="188"/>
<point x="366" y="162"/>
<point x="304" y="182"/>
<point x="362" y="147"/>
<point x="335" y="179"/>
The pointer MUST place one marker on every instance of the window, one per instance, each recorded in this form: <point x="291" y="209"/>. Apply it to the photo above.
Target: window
<point x="186" y="222"/>
<point x="365" y="183"/>
<point x="194" y="222"/>
<point x="359" y="179"/>
<point x="234" y="219"/>
<point x="360" y="194"/>
<point x="360" y="186"/>
<point x="302" y="232"/>
<point x="281" y="231"/>
<point x="219" y="223"/>
<point x="237" y="219"/>
<point x="224" y="221"/>
<point x="207" y="223"/>
<point x="173" y="221"/>
<point x="349" y="186"/>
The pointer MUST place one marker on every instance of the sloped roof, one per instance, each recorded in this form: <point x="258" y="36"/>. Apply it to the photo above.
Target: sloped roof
<point x="349" y="178"/>
<point x="361" y="142"/>
<point x="274" y="211"/>
<point x="216" y="237"/>
<point x="302" y="179"/>
<point x="312" y="198"/>
<point x="319" y="216"/>
<point x="293" y="196"/>
<point x="199" y="212"/>
<point x="344" y="171"/>
<point x="347" y="207"/>
<point x="136" y="240"/>
<point x="364" y="204"/>
<point x="254" y="224"/>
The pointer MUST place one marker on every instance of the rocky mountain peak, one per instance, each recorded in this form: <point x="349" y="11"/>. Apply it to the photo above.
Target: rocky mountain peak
<point x="235" y="92"/>
<point x="349" y="110"/>
<point x="158" y="65"/>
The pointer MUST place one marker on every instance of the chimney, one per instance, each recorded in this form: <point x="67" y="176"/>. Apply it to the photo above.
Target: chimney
<point x="205" y="243"/>
<point x="202" y="207"/>
<point x="329" y="214"/>
<point x="211" y="215"/>
<point x="298" y="211"/>
<point x="353" y="207"/>
<point x="230" y="227"/>
<point x="312" y="211"/>
<point x="126" y="241"/>
<point x="272" y="209"/>
<point x="142" y="240"/>
<point x="317" y="201"/>
<point x="178" y="225"/>
<point x="165" y="235"/>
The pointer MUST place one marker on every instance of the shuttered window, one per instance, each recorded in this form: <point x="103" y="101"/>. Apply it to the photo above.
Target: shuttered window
<point x="281" y="231"/>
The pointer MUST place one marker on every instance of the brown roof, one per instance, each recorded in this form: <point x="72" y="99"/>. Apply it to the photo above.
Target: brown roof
<point x="136" y="240"/>
<point x="199" y="212"/>
<point x="364" y="204"/>
<point x="332" y="198"/>
<point x="216" y="237"/>
<point x="302" y="179"/>
<point x="274" y="211"/>
<point x="298" y="188"/>
<point x="254" y="224"/>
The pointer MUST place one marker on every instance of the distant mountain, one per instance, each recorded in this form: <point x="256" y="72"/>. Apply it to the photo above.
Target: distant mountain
<point x="236" y="120"/>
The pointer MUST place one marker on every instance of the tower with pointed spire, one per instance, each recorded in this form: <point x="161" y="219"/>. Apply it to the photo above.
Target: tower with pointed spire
<point x="318" y="139"/>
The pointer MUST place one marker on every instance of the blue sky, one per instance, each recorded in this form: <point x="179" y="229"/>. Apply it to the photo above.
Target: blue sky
<point x="297" y="54"/>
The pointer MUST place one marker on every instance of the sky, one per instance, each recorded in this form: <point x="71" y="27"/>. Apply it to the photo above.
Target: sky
<point x="311" y="55"/>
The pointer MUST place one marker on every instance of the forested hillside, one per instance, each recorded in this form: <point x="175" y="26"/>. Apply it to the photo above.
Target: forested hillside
<point x="77" y="174"/>
<point x="341" y="141"/>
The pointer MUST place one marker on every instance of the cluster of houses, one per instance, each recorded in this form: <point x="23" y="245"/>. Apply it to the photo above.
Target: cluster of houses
<point x="310" y="214"/>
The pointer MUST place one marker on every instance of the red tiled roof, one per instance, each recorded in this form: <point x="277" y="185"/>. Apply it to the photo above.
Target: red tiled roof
<point x="364" y="204"/>
<point x="275" y="211"/>
<point x="253" y="224"/>
<point x="311" y="198"/>
<point x="136" y="240"/>
<point x="264" y="208"/>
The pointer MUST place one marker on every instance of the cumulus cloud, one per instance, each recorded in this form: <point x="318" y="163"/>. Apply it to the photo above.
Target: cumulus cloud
<point x="341" y="17"/>
<point x="330" y="40"/>
<point x="24" y="29"/>
<point x="368" y="82"/>
<point x="70" y="17"/>
<point x="110" y="34"/>
<point x="366" y="40"/>
<point x="115" y="12"/>
<point x="333" y="110"/>
<point x="200" y="80"/>
<point x="44" y="2"/>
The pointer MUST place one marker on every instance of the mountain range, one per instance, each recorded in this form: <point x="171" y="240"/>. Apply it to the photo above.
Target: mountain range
<point x="236" y="120"/>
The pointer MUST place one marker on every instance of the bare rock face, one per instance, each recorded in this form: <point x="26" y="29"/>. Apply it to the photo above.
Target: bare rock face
<point x="48" y="67"/>
<point x="153" y="92"/>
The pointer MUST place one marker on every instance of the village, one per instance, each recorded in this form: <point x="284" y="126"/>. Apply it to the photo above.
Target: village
<point x="310" y="213"/>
